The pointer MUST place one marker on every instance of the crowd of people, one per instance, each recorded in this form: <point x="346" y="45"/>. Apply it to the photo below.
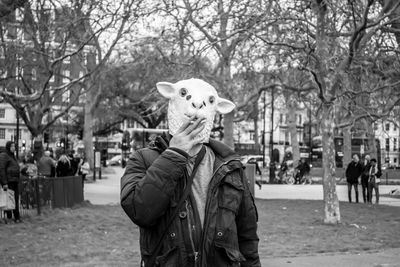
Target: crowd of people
<point x="367" y="174"/>
<point x="47" y="166"/>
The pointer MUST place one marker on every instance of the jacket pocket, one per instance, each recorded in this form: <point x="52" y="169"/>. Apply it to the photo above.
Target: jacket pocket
<point x="231" y="192"/>
<point x="227" y="256"/>
<point x="169" y="259"/>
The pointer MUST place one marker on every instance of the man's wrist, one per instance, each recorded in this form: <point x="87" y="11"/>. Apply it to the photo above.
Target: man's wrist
<point x="179" y="151"/>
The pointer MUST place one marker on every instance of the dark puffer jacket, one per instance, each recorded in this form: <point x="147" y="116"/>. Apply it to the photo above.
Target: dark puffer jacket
<point x="9" y="167"/>
<point x="150" y="188"/>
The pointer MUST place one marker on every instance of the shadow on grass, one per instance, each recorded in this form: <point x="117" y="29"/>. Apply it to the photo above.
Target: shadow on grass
<point x="91" y="235"/>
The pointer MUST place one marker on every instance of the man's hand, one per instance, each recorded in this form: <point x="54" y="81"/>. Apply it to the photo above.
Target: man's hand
<point x="185" y="138"/>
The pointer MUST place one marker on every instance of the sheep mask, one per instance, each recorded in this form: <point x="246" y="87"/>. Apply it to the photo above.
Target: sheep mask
<point x="193" y="97"/>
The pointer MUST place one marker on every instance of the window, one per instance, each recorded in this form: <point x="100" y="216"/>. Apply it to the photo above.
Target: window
<point x="65" y="96"/>
<point x="387" y="144"/>
<point x="2" y="133"/>
<point x="67" y="60"/>
<point x="251" y="133"/>
<point x="85" y="58"/>
<point x="82" y="97"/>
<point x="3" y="74"/>
<point x="387" y="126"/>
<point x="2" y="113"/>
<point x="34" y="77"/>
<point x="394" y="144"/>
<point x="19" y="133"/>
<point x="66" y="74"/>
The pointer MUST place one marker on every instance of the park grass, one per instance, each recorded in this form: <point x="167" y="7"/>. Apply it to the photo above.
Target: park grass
<point x="91" y="235"/>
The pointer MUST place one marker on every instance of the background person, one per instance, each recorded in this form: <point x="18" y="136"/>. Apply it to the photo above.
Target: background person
<point x="353" y="172"/>
<point x="302" y="169"/>
<point x="365" y="178"/>
<point x="64" y="167"/>
<point x="47" y="165"/>
<point x="374" y="179"/>
<point x="10" y="175"/>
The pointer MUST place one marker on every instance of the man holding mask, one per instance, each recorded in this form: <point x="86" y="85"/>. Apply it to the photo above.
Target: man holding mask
<point x="187" y="192"/>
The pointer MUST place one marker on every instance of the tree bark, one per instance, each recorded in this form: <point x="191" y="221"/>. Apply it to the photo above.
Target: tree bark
<point x="228" y="129"/>
<point x="346" y="146"/>
<point x="292" y="127"/>
<point x="88" y="134"/>
<point x="370" y="133"/>
<point x="332" y="211"/>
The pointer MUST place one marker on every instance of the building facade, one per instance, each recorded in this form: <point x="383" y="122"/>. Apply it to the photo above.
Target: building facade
<point x="24" y="69"/>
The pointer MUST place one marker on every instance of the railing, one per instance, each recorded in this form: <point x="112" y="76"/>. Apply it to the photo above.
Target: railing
<point x="43" y="192"/>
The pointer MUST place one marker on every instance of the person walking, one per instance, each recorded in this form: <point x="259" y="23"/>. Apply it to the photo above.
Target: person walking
<point x="188" y="192"/>
<point x="374" y="179"/>
<point x="83" y="169"/>
<point x="353" y="172"/>
<point x="365" y="178"/>
<point x="10" y="175"/>
<point x="303" y="169"/>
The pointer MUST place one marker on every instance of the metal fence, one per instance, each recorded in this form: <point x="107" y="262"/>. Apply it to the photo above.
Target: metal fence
<point x="41" y="193"/>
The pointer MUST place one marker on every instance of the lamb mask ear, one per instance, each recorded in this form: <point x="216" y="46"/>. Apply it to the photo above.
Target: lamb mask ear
<point x="166" y="89"/>
<point x="225" y="106"/>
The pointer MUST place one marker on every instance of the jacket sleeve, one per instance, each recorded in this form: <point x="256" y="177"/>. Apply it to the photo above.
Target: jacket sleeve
<point x="146" y="192"/>
<point x="246" y="222"/>
<point x="3" y="167"/>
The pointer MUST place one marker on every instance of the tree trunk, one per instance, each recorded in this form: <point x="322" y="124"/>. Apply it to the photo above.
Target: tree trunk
<point x="346" y="146"/>
<point x="332" y="212"/>
<point x="256" y="136"/>
<point x="292" y="127"/>
<point x="370" y="133"/>
<point x="228" y="129"/>
<point x="88" y="134"/>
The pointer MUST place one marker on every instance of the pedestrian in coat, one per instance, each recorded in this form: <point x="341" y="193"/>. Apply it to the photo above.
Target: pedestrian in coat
<point x="353" y="172"/>
<point x="365" y="178"/>
<point x="47" y="165"/>
<point x="374" y="180"/>
<point x="187" y="192"/>
<point x="10" y="175"/>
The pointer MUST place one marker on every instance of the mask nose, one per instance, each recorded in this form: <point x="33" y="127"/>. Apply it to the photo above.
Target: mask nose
<point x="198" y="105"/>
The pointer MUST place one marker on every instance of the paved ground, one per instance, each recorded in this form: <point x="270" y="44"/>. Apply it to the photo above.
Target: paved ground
<point x="106" y="191"/>
<point x="315" y="192"/>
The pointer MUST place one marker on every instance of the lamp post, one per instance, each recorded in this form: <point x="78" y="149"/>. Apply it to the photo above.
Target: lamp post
<point x="309" y="136"/>
<point x="16" y="141"/>
<point x="263" y="132"/>
<point x="271" y="141"/>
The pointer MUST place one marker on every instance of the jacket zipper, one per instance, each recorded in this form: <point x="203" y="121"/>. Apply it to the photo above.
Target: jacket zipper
<point x="190" y="231"/>
<point x="208" y="204"/>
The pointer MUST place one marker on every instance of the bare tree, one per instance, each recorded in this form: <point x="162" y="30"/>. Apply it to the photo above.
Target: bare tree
<point x="216" y="29"/>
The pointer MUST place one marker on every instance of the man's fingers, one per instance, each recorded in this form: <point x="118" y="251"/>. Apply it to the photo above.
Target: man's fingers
<point x="185" y="125"/>
<point x="197" y="130"/>
<point x="194" y="125"/>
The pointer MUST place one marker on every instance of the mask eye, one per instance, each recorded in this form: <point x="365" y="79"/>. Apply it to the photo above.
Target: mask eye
<point x="183" y="92"/>
<point x="211" y="99"/>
